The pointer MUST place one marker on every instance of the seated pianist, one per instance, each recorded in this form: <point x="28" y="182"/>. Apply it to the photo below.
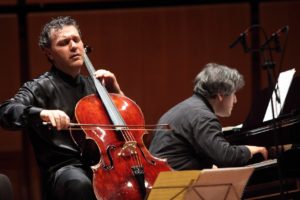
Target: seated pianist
<point x="196" y="140"/>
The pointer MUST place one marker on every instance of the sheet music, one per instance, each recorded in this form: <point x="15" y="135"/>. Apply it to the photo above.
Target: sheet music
<point x="173" y="184"/>
<point x="282" y="88"/>
<point x="220" y="184"/>
<point x="208" y="184"/>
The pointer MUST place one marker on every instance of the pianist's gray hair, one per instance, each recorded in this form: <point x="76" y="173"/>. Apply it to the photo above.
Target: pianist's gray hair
<point x="217" y="79"/>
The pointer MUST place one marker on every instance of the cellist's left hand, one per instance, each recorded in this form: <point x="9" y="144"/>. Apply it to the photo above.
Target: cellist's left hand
<point x="109" y="81"/>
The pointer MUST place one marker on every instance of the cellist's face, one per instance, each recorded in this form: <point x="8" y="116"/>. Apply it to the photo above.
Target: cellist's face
<point x="66" y="51"/>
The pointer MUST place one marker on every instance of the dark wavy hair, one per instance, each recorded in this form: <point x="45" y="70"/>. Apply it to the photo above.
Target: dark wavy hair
<point x="56" y="24"/>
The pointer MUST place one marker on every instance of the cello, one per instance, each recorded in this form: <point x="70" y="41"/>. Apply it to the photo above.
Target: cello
<point x="126" y="169"/>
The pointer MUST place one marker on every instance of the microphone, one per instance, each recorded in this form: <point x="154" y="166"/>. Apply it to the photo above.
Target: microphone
<point x="242" y="40"/>
<point x="275" y="38"/>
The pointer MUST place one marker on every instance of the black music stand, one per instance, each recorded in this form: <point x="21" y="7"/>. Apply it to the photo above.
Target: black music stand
<point x="207" y="184"/>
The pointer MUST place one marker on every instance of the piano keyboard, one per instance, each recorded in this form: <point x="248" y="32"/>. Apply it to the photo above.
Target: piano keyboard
<point x="264" y="164"/>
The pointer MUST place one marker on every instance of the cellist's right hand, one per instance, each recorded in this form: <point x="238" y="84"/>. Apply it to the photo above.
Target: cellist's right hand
<point x="58" y="119"/>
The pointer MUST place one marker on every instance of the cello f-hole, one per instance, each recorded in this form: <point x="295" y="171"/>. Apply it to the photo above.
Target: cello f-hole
<point x="108" y="150"/>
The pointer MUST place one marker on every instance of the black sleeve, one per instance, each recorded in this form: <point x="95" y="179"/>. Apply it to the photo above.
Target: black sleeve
<point x="17" y="112"/>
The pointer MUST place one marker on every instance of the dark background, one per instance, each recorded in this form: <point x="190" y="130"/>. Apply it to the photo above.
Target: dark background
<point x="155" y="48"/>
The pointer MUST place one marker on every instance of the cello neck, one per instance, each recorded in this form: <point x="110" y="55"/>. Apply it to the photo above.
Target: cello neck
<point x="111" y="109"/>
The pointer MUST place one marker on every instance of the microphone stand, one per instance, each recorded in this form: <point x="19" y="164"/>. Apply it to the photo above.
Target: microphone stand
<point x="269" y="66"/>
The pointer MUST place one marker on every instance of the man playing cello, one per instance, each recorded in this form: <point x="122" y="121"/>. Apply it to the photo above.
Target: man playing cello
<point x="52" y="98"/>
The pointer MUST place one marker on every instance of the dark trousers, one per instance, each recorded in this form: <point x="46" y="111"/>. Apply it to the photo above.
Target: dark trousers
<point x="70" y="183"/>
<point x="6" y="192"/>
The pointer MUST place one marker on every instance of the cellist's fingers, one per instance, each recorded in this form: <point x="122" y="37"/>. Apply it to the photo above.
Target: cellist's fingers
<point x="47" y="116"/>
<point x="61" y="119"/>
<point x="102" y="73"/>
<point x="108" y="80"/>
<point x="106" y="77"/>
<point x="57" y="118"/>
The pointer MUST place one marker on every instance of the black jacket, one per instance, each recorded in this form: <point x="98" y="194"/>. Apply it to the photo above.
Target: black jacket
<point x="52" y="90"/>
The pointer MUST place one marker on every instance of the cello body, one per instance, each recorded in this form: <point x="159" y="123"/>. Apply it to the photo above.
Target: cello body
<point x="126" y="169"/>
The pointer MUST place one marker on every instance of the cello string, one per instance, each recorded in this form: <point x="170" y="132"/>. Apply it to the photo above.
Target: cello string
<point x="114" y="114"/>
<point x="104" y="96"/>
<point x="135" y="156"/>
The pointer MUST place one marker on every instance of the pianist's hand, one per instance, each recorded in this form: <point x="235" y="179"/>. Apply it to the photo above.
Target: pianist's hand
<point x="256" y="149"/>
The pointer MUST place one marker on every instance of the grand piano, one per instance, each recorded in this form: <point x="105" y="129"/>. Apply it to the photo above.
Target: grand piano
<point x="278" y="177"/>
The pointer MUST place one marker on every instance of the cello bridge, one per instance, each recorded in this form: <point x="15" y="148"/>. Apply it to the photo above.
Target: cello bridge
<point x="128" y="149"/>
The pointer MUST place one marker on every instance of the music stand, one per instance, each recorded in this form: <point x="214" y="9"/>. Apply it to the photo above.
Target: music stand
<point x="207" y="184"/>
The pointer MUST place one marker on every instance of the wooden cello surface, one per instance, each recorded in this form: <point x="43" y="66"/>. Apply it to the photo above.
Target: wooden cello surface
<point x="126" y="169"/>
